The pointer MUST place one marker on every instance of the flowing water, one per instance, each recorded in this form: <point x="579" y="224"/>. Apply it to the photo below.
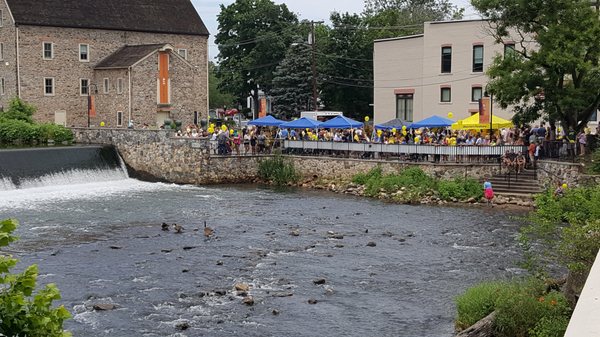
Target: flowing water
<point x="99" y="238"/>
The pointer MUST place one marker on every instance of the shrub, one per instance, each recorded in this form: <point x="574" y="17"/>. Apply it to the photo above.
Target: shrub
<point x="476" y="303"/>
<point x="19" y="110"/>
<point x="460" y="189"/>
<point x="58" y="133"/>
<point x="20" y="313"/>
<point x="523" y="308"/>
<point x="13" y="131"/>
<point x="568" y="225"/>
<point x="277" y="170"/>
<point x="363" y="178"/>
<point x="594" y="168"/>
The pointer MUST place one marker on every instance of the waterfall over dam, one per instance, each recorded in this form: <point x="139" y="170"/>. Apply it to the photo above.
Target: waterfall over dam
<point x="41" y="167"/>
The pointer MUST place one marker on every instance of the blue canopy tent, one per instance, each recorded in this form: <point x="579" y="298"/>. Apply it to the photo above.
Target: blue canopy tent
<point x="266" y="121"/>
<point x="302" y="123"/>
<point x="395" y="123"/>
<point x="433" y="122"/>
<point x="341" y="122"/>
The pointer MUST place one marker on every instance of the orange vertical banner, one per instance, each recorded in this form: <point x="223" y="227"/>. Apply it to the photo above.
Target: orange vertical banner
<point x="91" y="106"/>
<point x="263" y="108"/>
<point x="484" y="110"/>
<point x="163" y="77"/>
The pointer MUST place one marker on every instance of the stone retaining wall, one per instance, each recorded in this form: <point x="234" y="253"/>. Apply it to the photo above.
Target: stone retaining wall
<point x="554" y="172"/>
<point x="158" y="155"/>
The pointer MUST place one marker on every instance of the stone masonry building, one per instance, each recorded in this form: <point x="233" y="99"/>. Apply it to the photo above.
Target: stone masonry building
<point x="86" y="62"/>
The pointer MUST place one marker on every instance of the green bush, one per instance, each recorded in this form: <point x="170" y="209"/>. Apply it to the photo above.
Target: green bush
<point x="523" y="308"/>
<point x="21" y="312"/>
<point x="568" y="226"/>
<point x="594" y="168"/>
<point x="19" y="110"/>
<point x="460" y="189"/>
<point x="57" y="133"/>
<point x="277" y="170"/>
<point x="476" y="303"/>
<point x="13" y="131"/>
<point x="363" y="178"/>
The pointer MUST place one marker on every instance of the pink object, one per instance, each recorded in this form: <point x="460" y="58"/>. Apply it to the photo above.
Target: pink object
<point x="489" y="193"/>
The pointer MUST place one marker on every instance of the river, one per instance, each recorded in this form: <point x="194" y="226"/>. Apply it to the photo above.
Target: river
<point x="101" y="242"/>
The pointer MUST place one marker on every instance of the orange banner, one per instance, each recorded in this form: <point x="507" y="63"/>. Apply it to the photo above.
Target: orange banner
<point x="263" y="108"/>
<point x="163" y="77"/>
<point x="91" y="106"/>
<point x="484" y="110"/>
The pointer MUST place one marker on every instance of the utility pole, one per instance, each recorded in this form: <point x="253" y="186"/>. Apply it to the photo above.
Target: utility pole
<point x="313" y="44"/>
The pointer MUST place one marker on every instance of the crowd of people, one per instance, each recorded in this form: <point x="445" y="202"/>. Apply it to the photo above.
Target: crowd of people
<point x="254" y="140"/>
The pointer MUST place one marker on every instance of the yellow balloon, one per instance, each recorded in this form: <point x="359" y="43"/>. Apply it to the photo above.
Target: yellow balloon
<point x="366" y="118"/>
<point x="564" y="186"/>
<point x="404" y="132"/>
<point x="231" y="132"/>
<point x="211" y="130"/>
<point x="102" y="124"/>
<point x="450" y="115"/>
<point x="379" y="132"/>
<point x="224" y="127"/>
<point x="394" y="130"/>
<point x="404" y="127"/>
<point x="212" y="125"/>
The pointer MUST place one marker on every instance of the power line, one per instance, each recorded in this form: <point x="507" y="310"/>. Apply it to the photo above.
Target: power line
<point x="393" y="87"/>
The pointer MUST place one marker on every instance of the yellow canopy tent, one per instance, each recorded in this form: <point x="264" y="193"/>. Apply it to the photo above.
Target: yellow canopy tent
<point x="472" y="123"/>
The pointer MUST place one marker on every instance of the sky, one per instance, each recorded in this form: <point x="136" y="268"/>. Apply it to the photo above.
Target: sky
<point x="305" y="9"/>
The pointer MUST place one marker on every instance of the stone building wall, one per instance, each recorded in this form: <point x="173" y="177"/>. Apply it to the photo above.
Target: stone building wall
<point x="67" y="70"/>
<point x="108" y="104"/>
<point x="553" y="173"/>
<point x="8" y="64"/>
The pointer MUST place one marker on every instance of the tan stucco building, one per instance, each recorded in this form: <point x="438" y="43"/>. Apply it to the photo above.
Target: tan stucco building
<point x="144" y="60"/>
<point x="434" y="73"/>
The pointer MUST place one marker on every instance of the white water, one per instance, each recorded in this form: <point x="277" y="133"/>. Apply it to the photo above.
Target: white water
<point x="6" y="184"/>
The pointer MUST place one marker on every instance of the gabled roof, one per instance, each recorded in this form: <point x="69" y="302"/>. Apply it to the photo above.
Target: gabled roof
<point x="128" y="56"/>
<point x="155" y="16"/>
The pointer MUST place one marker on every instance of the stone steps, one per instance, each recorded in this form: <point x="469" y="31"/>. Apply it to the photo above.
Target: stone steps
<point x="522" y="185"/>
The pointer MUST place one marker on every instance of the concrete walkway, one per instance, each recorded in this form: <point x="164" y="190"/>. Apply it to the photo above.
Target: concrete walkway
<point x="585" y="322"/>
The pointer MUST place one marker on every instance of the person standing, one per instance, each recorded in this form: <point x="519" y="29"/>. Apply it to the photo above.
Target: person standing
<point x="582" y="141"/>
<point x="488" y="192"/>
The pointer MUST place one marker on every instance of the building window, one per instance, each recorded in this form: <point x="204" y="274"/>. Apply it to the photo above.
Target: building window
<point x="106" y="86"/>
<point x="119" y="118"/>
<point x="404" y="107"/>
<point x="476" y="94"/>
<point x="84" y="87"/>
<point x="1" y="18"/>
<point x="48" y="86"/>
<point x="120" y="86"/>
<point x="509" y="50"/>
<point x="445" y="95"/>
<point x="84" y="52"/>
<point x="48" y="50"/>
<point x="1" y="51"/>
<point x="2" y="86"/>
<point x="446" y="59"/>
<point x="477" y="59"/>
<point x="183" y="53"/>
<point x="196" y="117"/>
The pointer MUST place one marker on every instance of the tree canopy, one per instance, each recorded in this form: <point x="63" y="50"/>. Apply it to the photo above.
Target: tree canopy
<point x="554" y="73"/>
<point x="292" y="83"/>
<point x="252" y="39"/>
<point x="217" y="97"/>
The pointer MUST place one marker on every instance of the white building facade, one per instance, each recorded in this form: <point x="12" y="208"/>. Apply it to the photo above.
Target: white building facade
<point x="434" y="73"/>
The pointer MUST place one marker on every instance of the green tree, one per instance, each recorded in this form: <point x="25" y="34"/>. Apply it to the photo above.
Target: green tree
<point x="346" y="66"/>
<point x="253" y="38"/>
<point x="554" y="72"/>
<point x="292" y="83"/>
<point x="19" y="110"/>
<point x="217" y="98"/>
<point x="21" y="312"/>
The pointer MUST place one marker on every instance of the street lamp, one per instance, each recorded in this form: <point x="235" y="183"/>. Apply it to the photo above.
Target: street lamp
<point x="491" y="97"/>
<point x="90" y="103"/>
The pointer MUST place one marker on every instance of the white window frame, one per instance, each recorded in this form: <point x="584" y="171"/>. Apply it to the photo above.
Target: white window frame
<point x="81" y="87"/>
<point x="184" y="51"/>
<point x="106" y="85"/>
<point x="2" y="86"/>
<point x="473" y="91"/>
<point x="87" y="52"/>
<point x="120" y="86"/>
<point x="442" y="90"/>
<point x="44" y="50"/>
<point x="53" y="86"/>
<point x="119" y="120"/>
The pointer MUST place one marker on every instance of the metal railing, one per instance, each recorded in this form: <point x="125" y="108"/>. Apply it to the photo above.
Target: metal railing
<point x="402" y="151"/>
